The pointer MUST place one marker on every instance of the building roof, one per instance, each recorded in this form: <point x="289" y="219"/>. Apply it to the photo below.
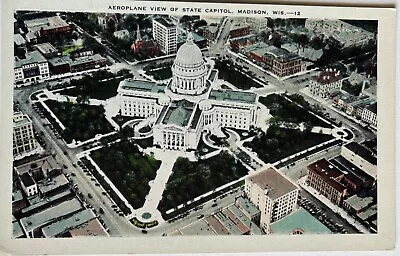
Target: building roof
<point x="27" y="180"/>
<point x="121" y="33"/>
<point x="165" y="22"/>
<point x="31" y="57"/>
<point x="359" y="203"/>
<point x="17" y="196"/>
<point x="45" y="202"/>
<point x="141" y="85"/>
<point x="299" y="219"/>
<point x="347" y="166"/>
<point x="373" y="107"/>
<point x="328" y="173"/>
<point x="62" y="226"/>
<point x="45" y="23"/>
<point x="58" y="61"/>
<point x="246" y="205"/>
<point x="243" y="229"/>
<point x="52" y="183"/>
<point x="17" y="230"/>
<point x="196" y="38"/>
<point x="362" y="152"/>
<point x="91" y="228"/>
<point x="216" y="225"/>
<point x="228" y="224"/>
<point x="281" y="54"/>
<point x="235" y="96"/>
<point x="45" y="48"/>
<point x="273" y="183"/>
<point x="254" y="229"/>
<point x="50" y="215"/>
<point x="328" y="76"/>
<point x="179" y="113"/>
<point x="46" y="163"/>
<point x="368" y="213"/>
<point x="20" y="119"/>
<point x="83" y="60"/>
<point x="19" y="40"/>
<point x="239" y="26"/>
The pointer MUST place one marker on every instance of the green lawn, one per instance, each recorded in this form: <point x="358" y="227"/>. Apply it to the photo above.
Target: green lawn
<point x="128" y="169"/>
<point x="279" y="143"/>
<point x="68" y="49"/>
<point x="192" y="179"/>
<point x="284" y="110"/>
<point x="101" y="85"/>
<point x="231" y="75"/>
<point x="82" y="122"/>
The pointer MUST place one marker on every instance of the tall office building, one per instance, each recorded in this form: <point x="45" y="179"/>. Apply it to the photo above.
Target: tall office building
<point x="165" y="34"/>
<point x="23" y="139"/>
<point x="273" y="194"/>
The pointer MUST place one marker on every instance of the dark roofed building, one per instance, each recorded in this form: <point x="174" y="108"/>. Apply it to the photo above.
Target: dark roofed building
<point x="360" y="157"/>
<point x="325" y="178"/>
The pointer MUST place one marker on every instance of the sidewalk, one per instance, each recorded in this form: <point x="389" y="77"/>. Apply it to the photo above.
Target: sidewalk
<point x="334" y="208"/>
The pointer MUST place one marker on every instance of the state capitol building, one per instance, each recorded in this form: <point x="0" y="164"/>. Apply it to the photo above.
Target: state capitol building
<point x="189" y="104"/>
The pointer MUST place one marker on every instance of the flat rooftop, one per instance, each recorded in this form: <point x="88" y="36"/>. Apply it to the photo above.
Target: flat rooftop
<point x="31" y="58"/>
<point x="45" y="23"/>
<point x="46" y="163"/>
<point x="62" y="226"/>
<point x="179" y="113"/>
<point x="368" y="213"/>
<point x="246" y="205"/>
<point x="17" y="230"/>
<point x="43" y="202"/>
<point x="362" y="152"/>
<point x="327" y="172"/>
<point x="17" y="196"/>
<point x="217" y="226"/>
<point x="45" y="48"/>
<point x="227" y="223"/>
<point x="359" y="203"/>
<point x="50" y="215"/>
<point x="345" y="165"/>
<point x="141" y="85"/>
<point x="254" y="229"/>
<point x="165" y="22"/>
<point x="235" y="96"/>
<point x="91" y="228"/>
<point x="271" y="180"/>
<point x="197" y="228"/>
<point x="53" y="183"/>
<point x="84" y="59"/>
<point x="27" y="180"/>
<point x="328" y="76"/>
<point x="373" y="108"/>
<point x="299" y="219"/>
<point x="19" y="40"/>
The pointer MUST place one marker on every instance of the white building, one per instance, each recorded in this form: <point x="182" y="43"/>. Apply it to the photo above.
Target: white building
<point x="187" y="105"/>
<point x="28" y="184"/>
<point x="273" y="194"/>
<point x="165" y="34"/>
<point x="369" y="115"/>
<point x="33" y="69"/>
<point x="122" y="34"/>
<point x="326" y="82"/>
<point x="360" y="157"/>
<point x="23" y="139"/>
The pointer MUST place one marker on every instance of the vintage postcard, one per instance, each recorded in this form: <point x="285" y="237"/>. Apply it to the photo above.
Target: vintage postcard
<point x="196" y="127"/>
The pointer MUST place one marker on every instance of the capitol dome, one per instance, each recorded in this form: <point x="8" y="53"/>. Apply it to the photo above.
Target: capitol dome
<point x="189" y="54"/>
<point x="189" y="70"/>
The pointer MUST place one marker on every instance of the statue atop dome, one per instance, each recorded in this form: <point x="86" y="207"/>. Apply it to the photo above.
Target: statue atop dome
<point x="190" y="38"/>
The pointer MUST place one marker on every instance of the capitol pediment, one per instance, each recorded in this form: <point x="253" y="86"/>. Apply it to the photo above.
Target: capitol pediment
<point x="174" y="128"/>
